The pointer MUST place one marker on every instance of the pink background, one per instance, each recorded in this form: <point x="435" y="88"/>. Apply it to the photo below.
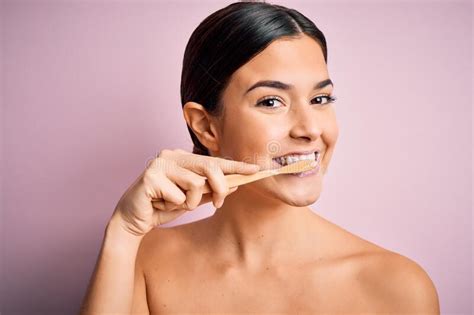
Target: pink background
<point x="90" y="92"/>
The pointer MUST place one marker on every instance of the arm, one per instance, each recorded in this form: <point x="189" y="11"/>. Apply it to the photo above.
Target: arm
<point x="112" y="284"/>
<point x="140" y="303"/>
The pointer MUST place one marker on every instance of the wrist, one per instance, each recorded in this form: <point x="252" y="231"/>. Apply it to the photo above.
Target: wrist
<point x="117" y="238"/>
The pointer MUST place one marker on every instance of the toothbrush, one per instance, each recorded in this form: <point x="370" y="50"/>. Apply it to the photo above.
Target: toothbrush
<point x="234" y="180"/>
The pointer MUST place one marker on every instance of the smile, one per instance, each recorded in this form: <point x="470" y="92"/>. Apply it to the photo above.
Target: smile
<point x="292" y="158"/>
<point x="295" y="157"/>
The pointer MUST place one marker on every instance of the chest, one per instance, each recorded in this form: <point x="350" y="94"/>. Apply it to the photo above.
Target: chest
<point x="207" y="291"/>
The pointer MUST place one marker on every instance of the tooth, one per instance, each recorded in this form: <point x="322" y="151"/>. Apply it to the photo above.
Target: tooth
<point x="288" y="159"/>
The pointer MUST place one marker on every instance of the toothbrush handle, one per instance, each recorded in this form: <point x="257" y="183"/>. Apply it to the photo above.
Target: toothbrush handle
<point x="234" y="180"/>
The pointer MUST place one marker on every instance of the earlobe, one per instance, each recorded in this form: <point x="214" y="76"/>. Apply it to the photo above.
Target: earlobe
<point x="200" y="123"/>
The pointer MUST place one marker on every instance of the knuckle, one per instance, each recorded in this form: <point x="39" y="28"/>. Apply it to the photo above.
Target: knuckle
<point x="212" y="166"/>
<point x="189" y="206"/>
<point x="181" y="198"/>
<point x="165" y="153"/>
<point x="157" y="163"/>
<point x="197" y="182"/>
<point x="216" y="171"/>
<point x="222" y="190"/>
<point x="150" y="177"/>
<point x="220" y="184"/>
<point x="240" y="165"/>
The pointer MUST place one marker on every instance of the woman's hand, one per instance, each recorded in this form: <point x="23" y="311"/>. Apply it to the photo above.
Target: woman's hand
<point x="172" y="184"/>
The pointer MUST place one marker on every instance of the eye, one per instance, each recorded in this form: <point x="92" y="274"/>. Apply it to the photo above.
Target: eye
<point x="269" y="102"/>
<point x="319" y="98"/>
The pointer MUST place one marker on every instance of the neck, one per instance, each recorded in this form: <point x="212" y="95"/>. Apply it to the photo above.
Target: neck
<point x="257" y="231"/>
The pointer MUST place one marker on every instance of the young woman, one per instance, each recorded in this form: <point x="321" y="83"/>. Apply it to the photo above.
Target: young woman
<point x="256" y="94"/>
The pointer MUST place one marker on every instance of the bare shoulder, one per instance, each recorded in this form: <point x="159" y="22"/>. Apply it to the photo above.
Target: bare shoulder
<point x="390" y="282"/>
<point x="398" y="284"/>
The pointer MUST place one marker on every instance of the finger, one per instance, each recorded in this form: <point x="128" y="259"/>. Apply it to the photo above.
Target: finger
<point x="191" y="182"/>
<point x="164" y="205"/>
<point x="162" y="217"/>
<point x="208" y="196"/>
<point x="217" y="182"/>
<point x="197" y="163"/>
<point x="211" y="169"/>
<point x="193" y="197"/>
<point x="205" y="198"/>
<point x="158" y="186"/>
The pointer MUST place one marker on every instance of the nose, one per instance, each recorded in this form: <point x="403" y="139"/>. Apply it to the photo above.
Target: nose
<point x="304" y="123"/>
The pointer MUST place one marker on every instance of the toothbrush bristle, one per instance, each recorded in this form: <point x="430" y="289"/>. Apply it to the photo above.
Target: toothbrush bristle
<point x="297" y="167"/>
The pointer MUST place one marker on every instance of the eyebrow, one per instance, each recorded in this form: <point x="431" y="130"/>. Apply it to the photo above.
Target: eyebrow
<point x="285" y="86"/>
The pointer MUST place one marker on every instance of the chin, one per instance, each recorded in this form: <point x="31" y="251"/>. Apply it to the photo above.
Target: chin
<point x="297" y="195"/>
<point x="302" y="199"/>
<point x="302" y="202"/>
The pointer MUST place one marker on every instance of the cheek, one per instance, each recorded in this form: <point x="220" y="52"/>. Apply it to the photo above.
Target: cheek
<point x="329" y="136"/>
<point x="250" y="137"/>
<point x="332" y="128"/>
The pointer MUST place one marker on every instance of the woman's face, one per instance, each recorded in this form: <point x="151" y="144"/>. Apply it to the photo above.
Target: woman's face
<point x="265" y="122"/>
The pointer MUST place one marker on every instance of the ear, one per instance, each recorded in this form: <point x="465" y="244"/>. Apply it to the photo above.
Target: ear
<point x="202" y="124"/>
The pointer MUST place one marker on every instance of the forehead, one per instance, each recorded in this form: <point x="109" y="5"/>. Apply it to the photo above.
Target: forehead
<point x="298" y="61"/>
